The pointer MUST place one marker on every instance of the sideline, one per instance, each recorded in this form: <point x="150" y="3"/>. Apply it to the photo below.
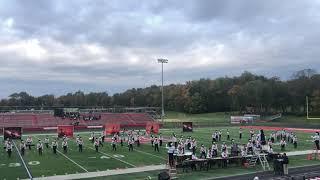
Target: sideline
<point x="248" y="173"/>
<point x="103" y="173"/>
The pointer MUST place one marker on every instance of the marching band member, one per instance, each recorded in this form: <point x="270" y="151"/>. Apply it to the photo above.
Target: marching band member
<point x="171" y="150"/>
<point x="80" y="144"/>
<point x="121" y="139"/>
<point x="103" y="137"/>
<point x="243" y="154"/>
<point x="223" y="147"/>
<point x="29" y="142"/>
<point x="295" y="141"/>
<point x="22" y="147"/>
<point x="250" y="147"/>
<point x="9" y="147"/>
<point x="209" y="153"/>
<point x="135" y="137"/>
<point x="180" y="149"/>
<point x="40" y="147"/>
<point x="214" y="149"/>
<point x="100" y="141"/>
<point x="256" y="148"/>
<point x="5" y="143"/>
<point x="65" y="146"/>
<point x="183" y="147"/>
<point x="270" y="150"/>
<point x="283" y="134"/>
<point x="228" y="135"/>
<point x="240" y="133"/>
<point x="174" y="140"/>
<point x="213" y="137"/>
<point x="234" y="148"/>
<point x="243" y="151"/>
<point x="254" y="139"/>
<point x="152" y="140"/>
<point x="188" y="143"/>
<point x="202" y="152"/>
<point x="316" y="139"/>
<point x="291" y="137"/>
<point x="92" y="137"/>
<point x="220" y="135"/>
<point x="46" y="141"/>
<point x="283" y="144"/>
<point x="130" y="144"/>
<point x="270" y="143"/>
<point x="224" y="156"/>
<point x="278" y="135"/>
<point x="194" y="145"/>
<point x="156" y="144"/>
<point x="64" y="138"/>
<point x="272" y="136"/>
<point x="258" y="145"/>
<point x="54" y="146"/>
<point x="96" y="145"/>
<point x="160" y="139"/>
<point x="181" y="141"/>
<point x="251" y="132"/>
<point x="114" y="144"/>
<point x="138" y="140"/>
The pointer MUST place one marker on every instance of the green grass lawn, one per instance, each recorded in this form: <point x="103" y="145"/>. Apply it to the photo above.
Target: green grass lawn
<point x="223" y="119"/>
<point x="9" y="168"/>
<point x="220" y="117"/>
<point x="74" y="162"/>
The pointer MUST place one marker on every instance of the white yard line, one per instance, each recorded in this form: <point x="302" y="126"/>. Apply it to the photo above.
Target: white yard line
<point x="103" y="173"/>
<point x="296" y="153"/>
<point x="23" y="162"/>
<point x="69" y="159"/>
<point x="73" y="161"/>
<point x="150" y="154"/>
<point x="114" y="157"/>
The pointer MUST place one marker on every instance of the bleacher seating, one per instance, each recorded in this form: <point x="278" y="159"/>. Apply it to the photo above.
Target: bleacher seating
<point x="33" y="120"/>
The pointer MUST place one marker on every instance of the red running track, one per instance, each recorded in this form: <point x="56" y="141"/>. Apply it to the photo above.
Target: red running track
<point x="271" y="128"/>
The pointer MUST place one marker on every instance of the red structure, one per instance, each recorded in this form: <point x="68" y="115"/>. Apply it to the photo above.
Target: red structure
<point x="112" y="128"/>
<point x="152" y="127"/>
<point x="46" y="121"/>
<point x="65" y="130"/>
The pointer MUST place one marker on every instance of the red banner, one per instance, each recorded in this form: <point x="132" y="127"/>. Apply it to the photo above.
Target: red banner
<point x="152" y="127"/>
<point x="112" y="128"/>
<point x="65" y="130"/>
<point x="12" y="132"/>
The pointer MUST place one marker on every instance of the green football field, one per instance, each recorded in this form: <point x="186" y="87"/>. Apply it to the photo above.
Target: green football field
<point x="90" y="161"/>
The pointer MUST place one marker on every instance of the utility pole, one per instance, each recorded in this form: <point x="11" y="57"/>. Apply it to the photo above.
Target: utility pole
<point x="162" y="100"/>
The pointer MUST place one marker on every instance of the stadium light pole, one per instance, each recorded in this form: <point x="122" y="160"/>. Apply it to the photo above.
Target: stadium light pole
<point x="162" y="103"/>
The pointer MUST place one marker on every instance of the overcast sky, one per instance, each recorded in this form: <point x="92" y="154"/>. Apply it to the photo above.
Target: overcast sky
<point x="54" y="47"/>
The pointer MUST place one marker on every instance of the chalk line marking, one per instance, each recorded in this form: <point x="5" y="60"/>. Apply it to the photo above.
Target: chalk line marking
<point x="69" y="159"/>
<point x="23" y="162"/>
<point x="114" y="157"/>
<point x="150" y="154"/>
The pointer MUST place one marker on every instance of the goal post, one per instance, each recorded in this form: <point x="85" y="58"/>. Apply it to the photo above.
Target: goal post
<point x="308" y="109"/>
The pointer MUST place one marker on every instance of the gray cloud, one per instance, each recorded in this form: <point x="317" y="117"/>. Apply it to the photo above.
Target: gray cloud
<point x="60" y="46"/>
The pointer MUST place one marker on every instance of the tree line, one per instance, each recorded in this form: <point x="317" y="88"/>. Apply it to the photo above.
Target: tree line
<point x="245" y="93"/>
